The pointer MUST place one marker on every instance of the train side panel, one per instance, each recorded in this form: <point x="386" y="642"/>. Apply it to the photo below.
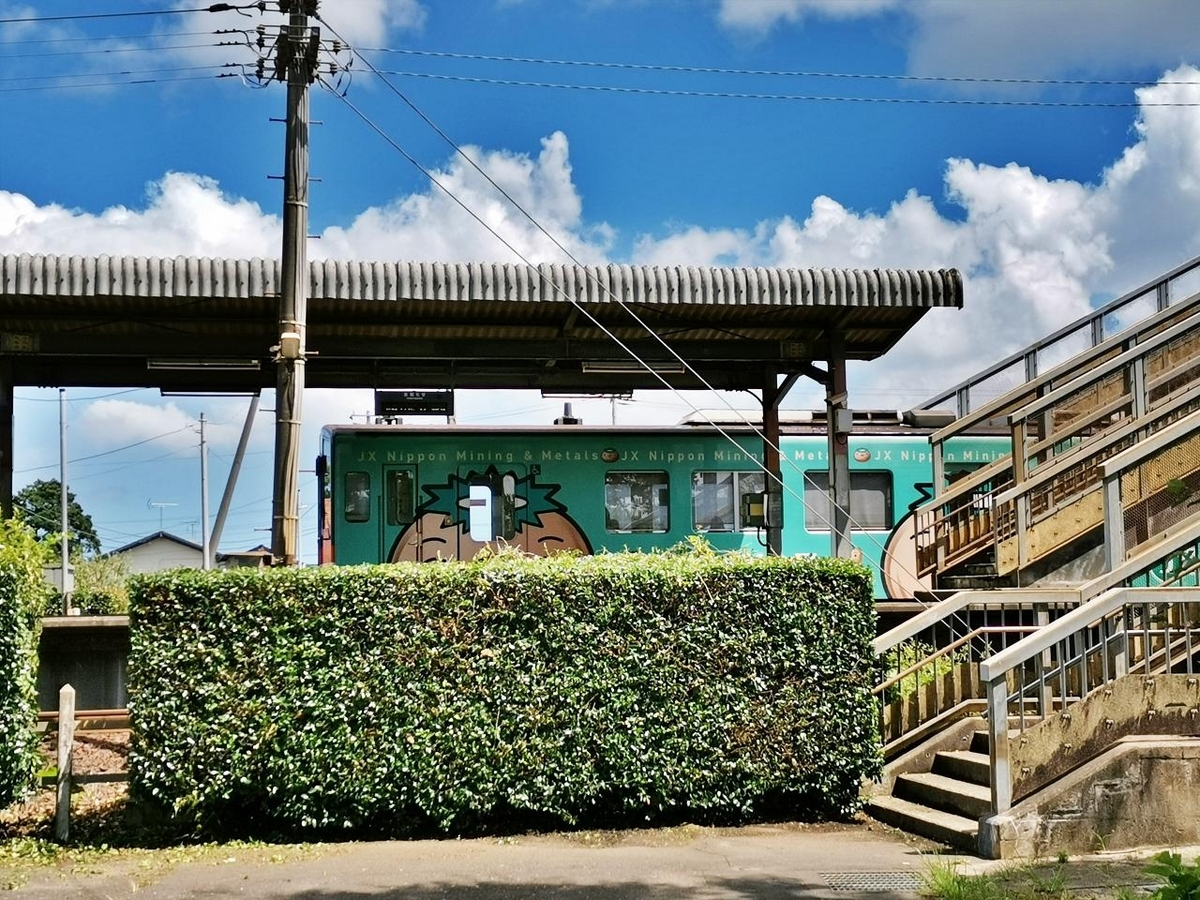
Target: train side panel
<point x="396" y="493"/>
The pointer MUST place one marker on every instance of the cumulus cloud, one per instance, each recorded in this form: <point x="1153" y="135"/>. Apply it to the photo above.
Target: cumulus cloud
<point x="1035" y="252"/>
<point x="434" y="226"/>
<point x="185" y="215"/>
<point x="115" y="423"/>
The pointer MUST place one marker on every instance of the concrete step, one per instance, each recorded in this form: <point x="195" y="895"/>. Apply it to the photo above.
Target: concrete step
<point x="981" y="742"/>
<point x="962" y="798"/>
<point x="935" y="824"/>
<point x="965" y="765"/>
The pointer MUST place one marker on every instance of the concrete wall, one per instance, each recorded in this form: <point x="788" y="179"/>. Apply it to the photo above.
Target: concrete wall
<point x="1145" y="791"/>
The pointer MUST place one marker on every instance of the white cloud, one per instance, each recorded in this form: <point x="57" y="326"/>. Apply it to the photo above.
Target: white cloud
<point x="1046" y="39"/>
<point x="1034" y="251"/>
<point x="762" y="15"/>
<point x="1009" y="39"/>
<point x="372" y="20"/>
<point x="432" y="226"/>
<point x="186" y="215"/>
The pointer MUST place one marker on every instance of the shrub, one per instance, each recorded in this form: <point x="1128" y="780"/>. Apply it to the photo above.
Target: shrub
<point x="503" y="693"/>
<point x="23" y="594"/>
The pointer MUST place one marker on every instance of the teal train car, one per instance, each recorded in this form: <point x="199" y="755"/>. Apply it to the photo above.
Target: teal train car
<point x="422" y="492"/>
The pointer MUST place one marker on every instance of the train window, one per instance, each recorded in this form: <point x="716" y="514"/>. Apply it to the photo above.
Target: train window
<point x="358" y="496"/>
<point x="399" y="489"/>
<point x="637" y="501"/>
<point x="716" y="498"/>
<point x="870" y="501"/>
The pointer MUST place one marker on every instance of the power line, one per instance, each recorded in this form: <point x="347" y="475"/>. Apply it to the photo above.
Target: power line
<point x="108" y="84"/>
<point x="770" y="73"/>
<point x="805" y="98"/>
<point x="125" y="73"/>
<point x="260" y="5"/>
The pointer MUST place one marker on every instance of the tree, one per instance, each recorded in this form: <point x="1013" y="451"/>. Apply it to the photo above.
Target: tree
<point x="40" y="506"/>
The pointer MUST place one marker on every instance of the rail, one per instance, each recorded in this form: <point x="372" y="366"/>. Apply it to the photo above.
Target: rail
<point x="1140" y="304"/>
<point x="1129" y="396"/>
<point x="1038" y="681"/>
<point x="929" y="664"/>
<point x="922" y="684"/>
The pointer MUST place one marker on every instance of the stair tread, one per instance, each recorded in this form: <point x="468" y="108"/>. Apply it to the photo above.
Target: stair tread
<point x="968" y="828"/>
<point x="969" y="755"/>
<point x="950" y="785"/>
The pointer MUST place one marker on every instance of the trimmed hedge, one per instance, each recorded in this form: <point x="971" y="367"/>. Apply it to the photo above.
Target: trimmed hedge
<point x="23" y="593"/>
<point x="504" y="693"/>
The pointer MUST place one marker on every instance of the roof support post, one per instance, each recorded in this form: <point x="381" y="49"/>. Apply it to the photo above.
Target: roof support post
<point x="838" y="421"/>
<point x="6" y="438"/>
<point x="773" y="394"/>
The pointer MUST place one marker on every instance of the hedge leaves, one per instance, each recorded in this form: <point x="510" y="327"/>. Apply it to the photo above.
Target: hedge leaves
<point x="504" y="693"/>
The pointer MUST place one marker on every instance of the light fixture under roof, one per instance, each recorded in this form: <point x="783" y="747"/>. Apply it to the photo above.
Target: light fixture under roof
<point x="631" y="367"/>
<point x="204" y="365"/>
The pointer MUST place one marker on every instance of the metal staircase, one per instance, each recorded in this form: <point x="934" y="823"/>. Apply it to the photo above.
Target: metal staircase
<point x="1035" y="516"/>
<point x="1080" y="555"/>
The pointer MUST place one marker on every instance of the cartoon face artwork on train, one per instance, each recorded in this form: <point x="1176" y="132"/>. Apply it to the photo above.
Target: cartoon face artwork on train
<point x="392" y="493"/>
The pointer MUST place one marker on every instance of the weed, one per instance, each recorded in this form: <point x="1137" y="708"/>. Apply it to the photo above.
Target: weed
<point x="1180" y="882"/>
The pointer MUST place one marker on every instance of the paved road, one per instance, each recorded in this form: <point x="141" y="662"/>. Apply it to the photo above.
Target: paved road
<point x="757" y="863"/>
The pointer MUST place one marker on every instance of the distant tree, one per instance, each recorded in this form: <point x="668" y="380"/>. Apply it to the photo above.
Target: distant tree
<point x="40" y="506"/>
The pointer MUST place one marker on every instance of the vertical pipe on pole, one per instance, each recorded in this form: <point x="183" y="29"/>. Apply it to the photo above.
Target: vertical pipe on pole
<point x="838" y="424"/>
<point x="293" y="301"/>
<point x="206" y="547"/>
<point x="62" y="484"/>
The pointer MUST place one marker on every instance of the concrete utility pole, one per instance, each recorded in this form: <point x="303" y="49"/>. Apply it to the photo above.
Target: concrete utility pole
<point x="205" y="546"/>
<point x="295" y="60"/>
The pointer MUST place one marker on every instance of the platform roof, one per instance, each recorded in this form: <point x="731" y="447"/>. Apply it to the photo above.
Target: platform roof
<point x="208" y="324"/>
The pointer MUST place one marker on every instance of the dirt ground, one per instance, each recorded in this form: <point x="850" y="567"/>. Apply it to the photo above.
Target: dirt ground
<point x="95" y="753"/>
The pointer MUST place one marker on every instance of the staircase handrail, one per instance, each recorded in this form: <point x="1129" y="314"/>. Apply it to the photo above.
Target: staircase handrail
<point x="1085" y="379"/>
<point x="961" y="600"/>
<point x="1019" y="395"/>
<point x="1093" y="323"/>
<point x="1018" y="416"/>
<point x="995" y="671"/>
<point x="1070" y="457"/>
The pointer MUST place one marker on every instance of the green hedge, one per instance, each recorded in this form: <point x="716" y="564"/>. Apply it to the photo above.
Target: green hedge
<point x="23" y="593"/>
<point x="504" y="693"/>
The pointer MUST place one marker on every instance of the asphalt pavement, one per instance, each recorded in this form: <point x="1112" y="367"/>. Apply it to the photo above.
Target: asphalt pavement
<point x="774" y="862"/>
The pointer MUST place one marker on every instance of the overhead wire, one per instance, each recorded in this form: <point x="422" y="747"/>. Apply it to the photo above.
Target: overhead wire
<point x="773" y="73"/>
<point x="782" y="486"/>
<point x="804" y="98"/>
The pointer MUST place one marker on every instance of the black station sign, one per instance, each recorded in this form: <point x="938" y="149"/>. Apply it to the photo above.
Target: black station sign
<point x="390" y="404"/>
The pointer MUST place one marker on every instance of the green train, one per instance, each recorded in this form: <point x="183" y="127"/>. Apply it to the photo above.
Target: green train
<point x="425" y="492"/>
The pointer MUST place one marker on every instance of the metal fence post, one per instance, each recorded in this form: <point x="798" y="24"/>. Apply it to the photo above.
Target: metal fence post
<point x="997" y="696"/>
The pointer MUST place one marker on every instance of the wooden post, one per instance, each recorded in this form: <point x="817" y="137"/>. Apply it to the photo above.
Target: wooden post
<point x="66" y="741"/>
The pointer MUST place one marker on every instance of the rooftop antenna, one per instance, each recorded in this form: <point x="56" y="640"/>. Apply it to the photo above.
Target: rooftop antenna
<point x="159" y="505"/>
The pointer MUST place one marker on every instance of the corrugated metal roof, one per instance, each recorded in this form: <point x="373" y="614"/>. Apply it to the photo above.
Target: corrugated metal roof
<point x="96" y="320"/>
<point x="200" y="278"/>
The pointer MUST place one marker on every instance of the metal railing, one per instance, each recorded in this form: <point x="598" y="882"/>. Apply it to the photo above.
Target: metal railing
<point x="1138" y="305"/>
<point x="1125" y="631"/>
<point x="930" y="665"/>
<point x="1058" y="442"/>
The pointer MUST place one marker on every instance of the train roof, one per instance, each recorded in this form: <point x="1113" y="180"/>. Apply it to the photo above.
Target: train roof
<point x="791" y="422"/>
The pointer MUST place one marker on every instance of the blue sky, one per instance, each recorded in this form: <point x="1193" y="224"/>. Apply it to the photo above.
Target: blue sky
<point x="1047" y="148"/>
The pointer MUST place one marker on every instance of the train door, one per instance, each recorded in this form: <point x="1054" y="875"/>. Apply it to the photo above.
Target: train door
<point x="399" y="510"/>
<point x="494" y="502"/>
